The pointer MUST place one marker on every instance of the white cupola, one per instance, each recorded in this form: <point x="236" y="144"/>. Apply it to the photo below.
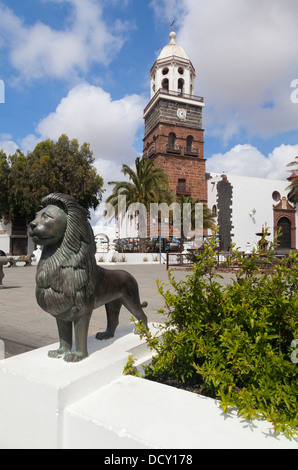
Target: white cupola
<point x="173" y="71"/>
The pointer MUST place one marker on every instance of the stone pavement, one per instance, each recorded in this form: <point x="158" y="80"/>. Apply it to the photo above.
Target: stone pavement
<point x="25" y="326"/>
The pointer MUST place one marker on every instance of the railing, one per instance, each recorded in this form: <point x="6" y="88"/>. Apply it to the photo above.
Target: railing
<point x="177" y="150"/>
<point x="177" y="94"/>
<point x="174" y="149"/>
<point x="192" y="152"/>
<point x="180" y="260"/>
<point x="225" y="261"/>
<point x="151" y="151"/>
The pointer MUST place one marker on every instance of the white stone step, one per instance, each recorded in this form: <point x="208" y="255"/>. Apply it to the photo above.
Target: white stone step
<point x="135" y="413"/>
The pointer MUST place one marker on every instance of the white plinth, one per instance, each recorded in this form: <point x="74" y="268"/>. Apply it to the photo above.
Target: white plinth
<point x="50" y="404"/>
<point x="136" y="413"/>
<point x="36" y="389"/>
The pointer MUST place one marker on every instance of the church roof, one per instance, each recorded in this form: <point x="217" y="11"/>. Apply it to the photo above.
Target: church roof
<point x="293" y="175"/>
<point x="172" y="49"/>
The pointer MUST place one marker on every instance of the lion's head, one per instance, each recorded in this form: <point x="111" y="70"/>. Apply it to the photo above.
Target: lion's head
<point x="49" y="226"/>
<point x="67" y="268"/>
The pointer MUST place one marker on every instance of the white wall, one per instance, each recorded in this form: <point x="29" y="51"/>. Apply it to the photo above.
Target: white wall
<point x="5" y="237"/>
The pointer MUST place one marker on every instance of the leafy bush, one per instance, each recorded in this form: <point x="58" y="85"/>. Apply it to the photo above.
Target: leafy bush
<point x="233" y="343"/>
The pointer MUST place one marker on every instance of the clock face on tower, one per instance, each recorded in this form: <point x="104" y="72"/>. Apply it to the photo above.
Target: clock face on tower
<point x="181" y="113"/>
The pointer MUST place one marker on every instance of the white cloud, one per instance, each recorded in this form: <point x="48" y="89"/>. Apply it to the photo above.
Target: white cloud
<point x="168" y="10"/>
<point x="8" y="146"/>
<point x="89" y="114"/>
<point x="29" y="142"/>
<point x="245" y="55"/>
<point x="38" y="50"/>
<point x="246" y="160"/>
<point x="110" y="171"/>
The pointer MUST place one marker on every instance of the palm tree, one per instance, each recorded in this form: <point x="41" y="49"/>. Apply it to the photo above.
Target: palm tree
<point x="147" y="184"/>
<point x="293" y="187"/>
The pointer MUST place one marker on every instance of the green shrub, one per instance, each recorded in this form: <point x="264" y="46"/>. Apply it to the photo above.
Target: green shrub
<point x="233" y="343"/>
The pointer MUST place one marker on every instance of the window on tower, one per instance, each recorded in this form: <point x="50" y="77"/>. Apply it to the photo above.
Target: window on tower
<point x="189" y="142"/>
<point x="165" y="85"/>
<point x="182" y="188"/>
<point x="171" y="141"/>
<point x="180" y="86"/>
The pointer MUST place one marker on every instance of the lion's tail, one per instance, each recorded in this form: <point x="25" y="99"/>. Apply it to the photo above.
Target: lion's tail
<point x="144" y="304"/>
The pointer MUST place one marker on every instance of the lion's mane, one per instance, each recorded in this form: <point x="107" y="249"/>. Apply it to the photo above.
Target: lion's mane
<point x="66" y="279"/>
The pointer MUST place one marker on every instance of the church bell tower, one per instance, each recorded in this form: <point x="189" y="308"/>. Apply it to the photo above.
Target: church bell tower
<point x="173" y="123"/>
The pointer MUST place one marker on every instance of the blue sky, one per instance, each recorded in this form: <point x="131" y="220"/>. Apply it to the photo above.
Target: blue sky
<point x="81" y="67"/>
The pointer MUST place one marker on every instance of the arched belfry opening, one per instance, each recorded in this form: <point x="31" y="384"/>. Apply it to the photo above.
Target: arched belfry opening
<point x="180" y="86"/>
<point x="165" y="85"/>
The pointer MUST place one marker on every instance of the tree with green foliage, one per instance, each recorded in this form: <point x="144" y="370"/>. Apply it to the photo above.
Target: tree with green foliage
<point x="235" y="342"/>
<point x="146" y="184"/>
<point x="4" y="183"/>
<point x="61" y="166"/>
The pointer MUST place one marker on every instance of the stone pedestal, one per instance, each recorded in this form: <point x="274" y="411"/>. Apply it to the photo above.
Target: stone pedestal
<point x="35" y="390"/>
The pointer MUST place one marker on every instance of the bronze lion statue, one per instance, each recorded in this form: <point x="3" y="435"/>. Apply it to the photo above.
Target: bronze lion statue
<point x="69" y="284"/>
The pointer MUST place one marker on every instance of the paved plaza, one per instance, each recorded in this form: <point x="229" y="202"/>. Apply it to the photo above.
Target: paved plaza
<point x="25" y="326"/>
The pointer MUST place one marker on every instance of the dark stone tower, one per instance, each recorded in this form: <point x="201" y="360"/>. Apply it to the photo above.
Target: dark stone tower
<point x="174" y="136"/>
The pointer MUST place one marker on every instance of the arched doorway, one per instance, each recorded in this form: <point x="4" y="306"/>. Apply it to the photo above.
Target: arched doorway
<point x="284" y="240"/>
<point x="102" y="243"/>
<point x="19" y="237"/>
<point x="284" y="217"/>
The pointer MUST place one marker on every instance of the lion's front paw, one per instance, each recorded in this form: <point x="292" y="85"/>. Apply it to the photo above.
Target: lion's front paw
<point x="75" y="356"/>
<point x="57" y="353"/>
<point x="104" y="335"/>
